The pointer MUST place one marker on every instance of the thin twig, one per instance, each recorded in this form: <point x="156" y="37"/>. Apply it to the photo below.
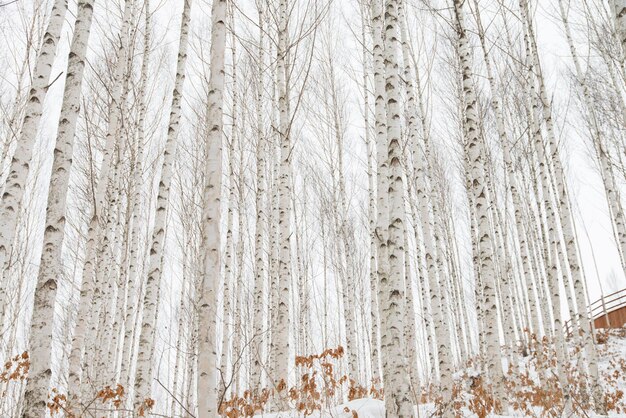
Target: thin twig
<point x="175" y="398"/>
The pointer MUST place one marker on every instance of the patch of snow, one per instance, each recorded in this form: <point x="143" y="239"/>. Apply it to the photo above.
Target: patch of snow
<point x="615" y="348"/>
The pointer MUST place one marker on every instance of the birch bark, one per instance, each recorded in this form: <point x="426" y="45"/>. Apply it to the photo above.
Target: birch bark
<point x="20" y="163"/>
<point x="475" y="156"/>
<point x="421" y="162"/>
<point x="90" y="288"/>
<point x="136" y="264"/>
<point x="51" y="268"/>
<point x="373" y="282"/>
<point x="259" y="267"/>
<point x="380" y="124"/>
<point x="347" y="275"/>
<point x="228" y="256"/>
<point x="508" y="163"/>
<point x="569" y="234"/>
<point x="281" y="368"/>
<point x="550" y="250"/>
<point x="374" y="337"/>
<point x="143" y="379"/>
<point x="211" y="264"/>
<point x="391" y="291"/>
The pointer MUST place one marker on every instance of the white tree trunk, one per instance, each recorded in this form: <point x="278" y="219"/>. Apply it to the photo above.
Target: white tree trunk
<point x="391" y="291"/>
<point x="341" y="218"/>
<point x="281" y="344"/>
<point x="570" y="236"/>
<point x="107" y="253"/>
<point x="143" y="380"/>
<point x="51" y="267"/>
<point x="136" y="263"/>
<point x="421" y="164"/>
<point x="228" y="259"/>
<point x="409" y="331"/>
<point x="550" y="251"/>
<point x="374" y="338"/>
<point x="90" y="286"/>
<point x="20" y="163"/>
<point x="508" y="163"/>
<point x="380" y="125"/>
<point x="211" y="266"/>
<point x="274" y="265"/>
<point x="259" y="326"/>
<point x="475" y="157"/>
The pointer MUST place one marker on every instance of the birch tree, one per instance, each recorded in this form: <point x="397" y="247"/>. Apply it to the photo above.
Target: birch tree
<point x="475" y="158"/>
<point x="261" y="205"/>
<point x="211" y="264"/>
<point x="91" y="288"/>
<point x="20" y="163"/>
<point x="143" y="379"/>
<point x="391" y="290"/>
<point x="51" y="268"/>
<point x="280" y="368"/>
<point x="135" y="253"/>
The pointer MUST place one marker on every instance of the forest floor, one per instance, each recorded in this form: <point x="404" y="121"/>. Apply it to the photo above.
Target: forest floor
<point x="524" y="389"/>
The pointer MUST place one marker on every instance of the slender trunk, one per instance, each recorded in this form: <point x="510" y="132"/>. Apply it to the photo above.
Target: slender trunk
<point x="211" y="269"/>
<point x="508" y="163"/>
<point x="374" y="317"/>
<point x="20" y="163"/>
<point x="51" y="268"/>
<point x="135" y="268"/>
<point x="345" y="238"/>
<point x="90" y="288"/>
<point x="421" y="162"/>
<point x="409" y="331"/>
<point x="281" y="368"/>
<point x="259" y="327"/>
<point x="391" y="292"/>
<point x="475" y="156"/>
<point x="551" y="249"/>
<point x="143" y="377"/>
<point x="228" y="265"/>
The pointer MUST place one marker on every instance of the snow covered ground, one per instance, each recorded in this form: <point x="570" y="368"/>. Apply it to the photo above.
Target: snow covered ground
<point x="612" y="362"/>
<point x="374" y="408"/>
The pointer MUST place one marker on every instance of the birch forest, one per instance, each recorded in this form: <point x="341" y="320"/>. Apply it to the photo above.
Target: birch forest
<point x="325" y="208"/>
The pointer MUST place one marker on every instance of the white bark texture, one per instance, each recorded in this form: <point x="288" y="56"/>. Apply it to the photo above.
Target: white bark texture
<point x="136" y="262"/>
<point x="143" y="379"/>
<point x="259" y="326"/>
<point x="51" y="266"/>
<point x="421" y="164"/>
<point x="508" y="163"/>
<point x="380" y="125"/>
<point x="211" y="268"/>
<point x="107" y="259"/>
<point x="475" y="155"/>
<point x="375" y="375"/>
<point x="550" y="250"/>
<point x="20" y="163"/>
<point x="391" y="292"/>
<point x="569" y="233"/>
<point x="229" y="278"/>
<point x="371" y="215"/>
<point x="341" y="219"/>
<point x="281" y="368"/>
<point x="82" y="331"/>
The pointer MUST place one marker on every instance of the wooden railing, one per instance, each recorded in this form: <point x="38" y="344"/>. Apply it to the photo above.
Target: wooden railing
<point x="603" y="307"/>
